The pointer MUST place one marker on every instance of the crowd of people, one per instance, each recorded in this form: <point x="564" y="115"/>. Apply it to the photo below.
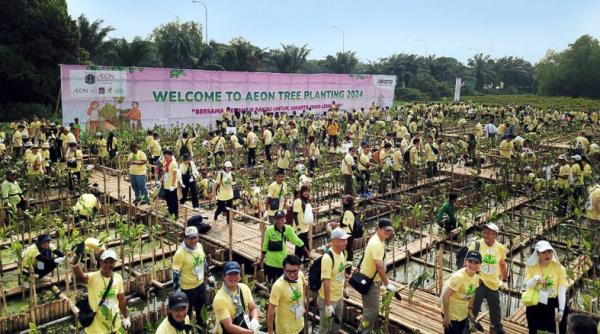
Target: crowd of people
<point x="399" y="144"/>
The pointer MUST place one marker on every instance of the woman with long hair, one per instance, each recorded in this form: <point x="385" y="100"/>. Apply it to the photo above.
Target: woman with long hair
<point x="300" y="227"/>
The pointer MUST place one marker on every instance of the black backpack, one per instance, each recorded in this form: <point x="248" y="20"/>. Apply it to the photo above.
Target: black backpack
<point x="406" y="154"/>
<point x="359" y="227"/>
<point x="184" y="149"/>
<point x="314" y="272"/>
<point x="197" y="221"/>
<point x="461" y="254"/>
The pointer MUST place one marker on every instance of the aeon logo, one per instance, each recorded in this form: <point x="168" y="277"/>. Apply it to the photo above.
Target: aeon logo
<point x="385" y="82"/>
<point x="102" y="76"/>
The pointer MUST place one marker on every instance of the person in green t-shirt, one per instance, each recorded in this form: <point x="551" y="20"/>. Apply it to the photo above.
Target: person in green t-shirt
<point x="446" y="217"/>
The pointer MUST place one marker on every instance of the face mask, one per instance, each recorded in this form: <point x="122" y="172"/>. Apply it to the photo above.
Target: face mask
<point x="285" y="276"/>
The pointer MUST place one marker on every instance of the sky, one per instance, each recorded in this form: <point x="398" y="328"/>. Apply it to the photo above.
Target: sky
<point x="373" y="29"/>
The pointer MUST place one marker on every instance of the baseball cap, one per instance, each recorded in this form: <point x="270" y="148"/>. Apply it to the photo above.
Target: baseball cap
<point x="385" y="224"/>
<point x="108" y="254"/>
<point x="191" y="231"/>
<point x="186" y="156"/>
<point x="228" y="164"/>
<point x="231" y="267"/>
<point x="279" y="214"/>
<point x="178" y="299"/>
<point x="339" y="233"/>
<point x="543" y="245"/>
<point x="43" y="238"/>
<point x="492" y="227"/>
<point x="473" y="255"/>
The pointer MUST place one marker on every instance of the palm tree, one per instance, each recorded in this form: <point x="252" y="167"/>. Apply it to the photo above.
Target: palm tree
<point x="515" y="72"/>
<point x="482" y="68"/>
<point x="137" y="53"/>
<point x="179" y="44"/>
<point x="241" y="55"/>
<point x="404" y="66"/>
<point x="291" y="59"/>
<point x="92" y="35"/>
<point x="342" y="62"/>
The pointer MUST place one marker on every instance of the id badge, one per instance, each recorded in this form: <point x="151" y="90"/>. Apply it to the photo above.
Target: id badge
<point x="40" y="265"/>
<point x="340" y="277"/>
<point x="110" y="304"/>
<point x="298" y="310"/>
<point x="543" y="297"/>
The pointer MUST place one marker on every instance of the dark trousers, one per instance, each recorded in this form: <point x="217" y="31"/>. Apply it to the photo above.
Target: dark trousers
<point x="219" y="156"/>
<point x="268" y="153"/>
<point x="431" y="169"/>
<point x="540" y="317"/>
<point x="365" y="177"/>
<point x="350" y="254"/>
<point x="196" y="299"/>
<point x="312" y="164"/>
<point x="492" y="297"/>
<point x="272" y="273"/>
<point x="172" y="203"/>
<point x="192" y="190"/>
<point x="299" y="251"/>
<point x="333" y="140"/>
<point x="222" y="208"/>
<point x="348" y="184"/>
<point x="72" y="177"/>
<point x="251" y="157"/>
<point x="396" y="179"/>
<point x="457" y="327"/>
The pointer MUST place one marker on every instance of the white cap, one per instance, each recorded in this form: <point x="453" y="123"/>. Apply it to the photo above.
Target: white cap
<point x="492" y="227"/>
<point x="541" y="246"/>
<point x="191" y="231"/>
<point x="108" y="254"/>
<point x="339" y="233"/>
<point x="228" y="164"/>
<point x="576" y="157"/>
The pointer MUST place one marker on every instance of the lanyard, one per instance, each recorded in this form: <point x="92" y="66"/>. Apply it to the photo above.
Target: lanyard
<point x="239" y="308"/>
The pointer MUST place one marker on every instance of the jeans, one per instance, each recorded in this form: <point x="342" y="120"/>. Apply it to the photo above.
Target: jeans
<point x="493" y="301"/>
<point x="370" y="303"/>
<point x="138" y="183"/>
<point x="338" y="315"/>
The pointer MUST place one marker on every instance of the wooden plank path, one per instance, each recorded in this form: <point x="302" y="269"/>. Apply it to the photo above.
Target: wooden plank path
<point x="484" y="173"/>
<point x="425" y="242"/>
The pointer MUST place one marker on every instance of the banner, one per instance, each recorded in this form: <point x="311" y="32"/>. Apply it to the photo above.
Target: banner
<point x="457" y="85"/>
<point x="110" y="97"/>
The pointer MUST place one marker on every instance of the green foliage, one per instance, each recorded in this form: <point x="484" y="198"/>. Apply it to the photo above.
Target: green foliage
<point x="410" y="94"/>
<point x="290" y="58"/>
<point x="342" y="62"/>
<point x="179" y="44"/>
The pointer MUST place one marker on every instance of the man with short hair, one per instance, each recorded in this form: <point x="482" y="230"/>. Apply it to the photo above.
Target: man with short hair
<point x="333" y="287"/>
<point x="108" y="320"/>
<point x="42" y="257"/>
<point x="493" y="273"/>
<point x="177" y="321"/>
<point x="190" y="268"/>
<point x="372" y="266"/>
<point x="446" y="217"/>
<point x="233" y="304"/>
<point x="288" y="299"/>
<point x="137" y="173"/>
<point x="277" y="195"/>
<point x="348" y="171"/>
<point x="582" y="324"/>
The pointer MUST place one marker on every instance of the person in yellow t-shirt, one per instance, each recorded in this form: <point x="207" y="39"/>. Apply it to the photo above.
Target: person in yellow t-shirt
<point x="458" y="294"/>
<point x="102" y="146"/>
<point x="137" y="173"/>
<point x="34" y="161"/>
<point x="17" y="141"/>
<point x="277" y="196"/>
<point x="333" y="286"/>
<point x="233" y="302"/>
<point x="314" y="152"/>
<point x="223" y="191"/>
<point x="544" y="273"/>
<point x="252" y="142"/>
<point x="42" y="257"/>
<point x="431" y="152"/>
<point x="155" y="151"/>
<point x="283" y="157"/>
<point x="563" y="183"/>
<point x="373" y="266"/>
<point x="190" y="269"/>
<point x="592" y="206"/>
<point x="170" y="182"/>
<point x="74" y="159"/>
<point x="115" y="315"/>
<point x="287" y="300"/>
<point x="300" y="226"/>
<point x="493" y="274"/>
<point x="348" y="171"/>
<point x="332" y="133"/>
<point x="364" y="166"/>
<point x="507" y="148"/>
<point x="177" y="320"/>
<point x="267" y="137"/>
<point x="184" y="144"/>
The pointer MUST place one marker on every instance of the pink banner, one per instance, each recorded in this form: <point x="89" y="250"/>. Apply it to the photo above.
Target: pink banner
<point x="110" y="97"/>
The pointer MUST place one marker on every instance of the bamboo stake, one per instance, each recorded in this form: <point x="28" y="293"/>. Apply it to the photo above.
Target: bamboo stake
<point x="230" y="213"/>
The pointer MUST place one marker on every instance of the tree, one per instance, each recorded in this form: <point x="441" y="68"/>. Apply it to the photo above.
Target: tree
<point x="514" y="72"/>
<point x="404" y="66"/>
<point x="342" y="62"/>
<point x="92" y="35"/>
<point x="139" y="52"/>
<point x="482" y="69"/>
<point x="35" y="36"/>
<point x="179" y="44"/>
<point x="290" y="59"/>
<point x="241" y="55"/>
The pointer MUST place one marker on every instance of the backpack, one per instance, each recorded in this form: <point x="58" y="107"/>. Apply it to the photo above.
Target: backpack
<point x="289" y="214"/>
<point x="314" y="272"/>
<point x="406" y="154"/>
<point x="184" y="149"/>
<point x="359" y="227"/>
<point x="434" y="149"/>
<point x="461" y="254"/>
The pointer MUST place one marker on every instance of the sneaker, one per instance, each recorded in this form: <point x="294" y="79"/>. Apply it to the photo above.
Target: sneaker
<point x="196" y="209"/>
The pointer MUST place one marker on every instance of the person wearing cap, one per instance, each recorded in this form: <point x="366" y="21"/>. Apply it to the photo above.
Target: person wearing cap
<point x="114" y="315"/>
<point x="333" y="287"/>
<point x="288" y="299"/>
<point x="136" y="160"/>
<point x="348" y="171"/>
<point x="223" y="191"/>
<point x="277" y="194"/>
<point x="170" y="182"/>
<point x="274" y="248"/>
<point x="372" y="265"/>
<point x="283" y="157"/>
<point x="177" y="320"/>
<point x="189" y="174"/>
<point x="190" y="269"/>
<point x="233" y="305"/>
<point x="346" y="222"/>
<point x="458" y="294"/>
<point x="493" y="273"/>
<point x="11" y="192"/>
<point x="74" y="159"/>
<point x="446" y="217"/>
<point x="42" y="257"/>
<point x="544" y="273"/>
<point x="102" y="146"/>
